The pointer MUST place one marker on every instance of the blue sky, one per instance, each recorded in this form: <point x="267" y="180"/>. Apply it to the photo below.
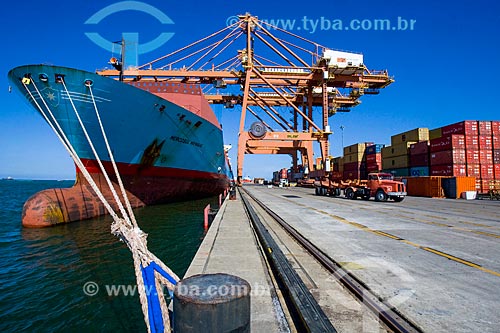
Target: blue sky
<point x="443" y="67"/>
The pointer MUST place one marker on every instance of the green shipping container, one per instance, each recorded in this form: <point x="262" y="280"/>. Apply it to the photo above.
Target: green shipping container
<point x="400" y="172"/>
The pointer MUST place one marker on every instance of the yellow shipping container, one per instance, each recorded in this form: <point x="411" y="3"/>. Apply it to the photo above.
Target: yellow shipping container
<point x="356" y="157"/>
<point x="396" y="162"/>
<point x="435" y="133"/>
<point x="356" y="148"/>
<point x="417" y="134"/>
<point x="396" y="150"/>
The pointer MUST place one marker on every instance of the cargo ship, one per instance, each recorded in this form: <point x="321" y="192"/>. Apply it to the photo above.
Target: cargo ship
<point x="165" y="139"/>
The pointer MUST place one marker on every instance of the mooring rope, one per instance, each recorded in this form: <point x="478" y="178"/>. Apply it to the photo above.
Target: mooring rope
<point x="149" y="269"/>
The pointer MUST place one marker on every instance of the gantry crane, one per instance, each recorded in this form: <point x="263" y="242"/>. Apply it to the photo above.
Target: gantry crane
<point x="268" y="72"/>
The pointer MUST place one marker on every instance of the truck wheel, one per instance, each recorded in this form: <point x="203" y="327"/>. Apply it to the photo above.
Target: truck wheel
<point x="349" y="193"/>
<point x="380" y="196"/>
<point x="399" y="199"/>
<point x="336" y="192"/>
<point x="316" y="191"/>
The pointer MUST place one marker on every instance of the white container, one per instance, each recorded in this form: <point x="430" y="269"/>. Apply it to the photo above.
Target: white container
<point x="468" y="195"/>
<point x="341" y="59"/>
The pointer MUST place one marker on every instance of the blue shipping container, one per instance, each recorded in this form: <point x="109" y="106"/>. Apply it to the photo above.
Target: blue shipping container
<point x="419" y="171"/>
<point x="374" y="149"/>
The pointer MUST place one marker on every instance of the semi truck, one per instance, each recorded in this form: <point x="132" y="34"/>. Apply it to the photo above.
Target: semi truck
<point x="380" y="186"/>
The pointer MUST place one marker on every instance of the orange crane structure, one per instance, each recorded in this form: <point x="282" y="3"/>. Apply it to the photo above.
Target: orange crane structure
<point x="272" y="74"/>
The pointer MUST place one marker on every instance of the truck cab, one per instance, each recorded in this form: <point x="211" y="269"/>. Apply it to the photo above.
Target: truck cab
<point x="383" y="186"/>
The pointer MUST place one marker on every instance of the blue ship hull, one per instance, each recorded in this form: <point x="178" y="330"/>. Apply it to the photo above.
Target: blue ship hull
<point x="164" y="151"/>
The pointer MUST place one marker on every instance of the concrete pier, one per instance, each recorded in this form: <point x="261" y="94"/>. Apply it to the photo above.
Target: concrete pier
<point x="436" y="260"/>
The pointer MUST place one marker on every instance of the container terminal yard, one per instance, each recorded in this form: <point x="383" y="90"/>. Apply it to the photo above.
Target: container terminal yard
<point x="423" y="264"/>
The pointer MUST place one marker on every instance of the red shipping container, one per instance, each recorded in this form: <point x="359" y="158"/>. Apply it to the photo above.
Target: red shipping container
<point x="468" y="127"/>
<point x="485" y="142"/>
<point x="474" y="170"/>
<point x="354" y="174"/>
<point x="484" y="127"/>
<point x="354" y="166"/>
<point x="496" y="156"/>
<point x="496" y="168"/>
<point x="373" y="158"/>
<point x="486" y="157"/>
<point x="419" y="148"/>
<point x="472" y="156"/>
<point x="485" y="185"/>
<point x="471" y="142"/>
<point x="448" y="170"/>
<point x="373" y="168"/>
<point x="419" y="160"/>
<point x="447" y="143"/>
<point x="495" y="127"/>
<point x="496" y="141"/>
<point x="455" y="156"/>
<point x="487" y="171"/>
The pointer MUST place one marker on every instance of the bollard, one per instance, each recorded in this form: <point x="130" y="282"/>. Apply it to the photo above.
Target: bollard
<point x="232" y="193"/>
<point x="206" y="211"/>
<point x="212" y="303"/>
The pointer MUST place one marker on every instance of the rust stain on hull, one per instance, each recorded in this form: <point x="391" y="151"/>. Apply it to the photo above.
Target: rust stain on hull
<point x="63" y="205"/>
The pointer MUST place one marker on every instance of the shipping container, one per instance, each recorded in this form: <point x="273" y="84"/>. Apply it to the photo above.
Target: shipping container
<point x="467" y="127"/>
<point x="435" y="133"/>
<point x="474" y="170"/>
<point x="398" y="172"/>
<point x="374" y="158"/>
<point x="471" y="142"/>
<point x="396" y="162"/>
<point x="356" y="148"/>
<point x="354" y="166"/>
<point x="419" y="160"/>
<point x="472" y="156"/>
<point x="495" y="127"/>
<point x="356" y="174"/>
<point x="487" y="171"/>
<point x="419" y="148"/>
<point x="373" y="168"/>
<point x="496" y="168"/>
<point x="496" y="141"/>
<point x="374" y="149"/>
<point x="496" y="156"/>
<point x="486" y="157"/>
<point x="355" y="157"/>
<point x="453" y="187"/>
<point x="448" y="170"/>
<point x="419" y="171"/>
<point x="485" y="142"/>
<point x="415" y="135"/>
<point x="396" y="150"/>
<point x="455" y="156"/>
<point x="447" y="142"/>
<point x="425" y="187"/>
<point x="484" y="185"/>
<point x="484" y="127"/>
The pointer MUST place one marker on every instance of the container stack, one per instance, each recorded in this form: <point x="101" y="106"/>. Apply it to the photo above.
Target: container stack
<point x="420" y="159"/>
<point x="396" y="158"/>
<point x="374" y="158"/>
<point x="467" y="148"/>
<point x="355" y="161"/>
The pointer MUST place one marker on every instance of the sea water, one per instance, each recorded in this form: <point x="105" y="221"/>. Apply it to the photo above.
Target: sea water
<point x="78" y="277"/>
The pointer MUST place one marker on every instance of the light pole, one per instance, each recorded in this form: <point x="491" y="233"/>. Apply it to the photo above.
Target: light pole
<point x="342" y="129"/>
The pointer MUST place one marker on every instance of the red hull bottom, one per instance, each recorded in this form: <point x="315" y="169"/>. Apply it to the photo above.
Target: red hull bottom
<point x="56" y="206"/>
